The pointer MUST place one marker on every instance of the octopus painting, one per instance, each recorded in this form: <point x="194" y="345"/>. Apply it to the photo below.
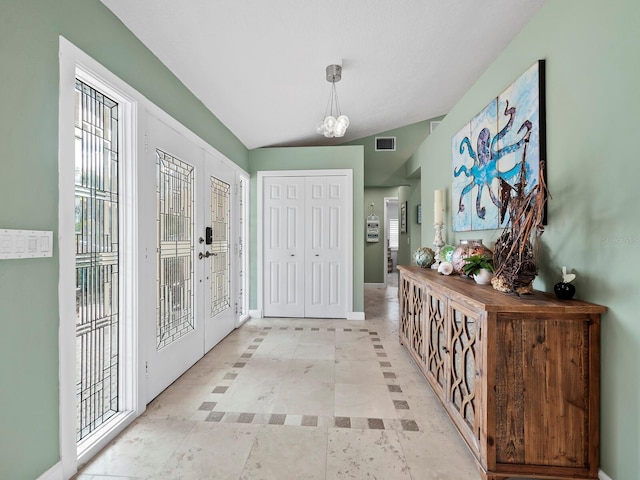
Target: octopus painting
<point x="490" y="148"/>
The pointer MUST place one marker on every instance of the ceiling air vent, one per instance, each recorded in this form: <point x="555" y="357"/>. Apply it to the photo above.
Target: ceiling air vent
<point x="385" y="144"/>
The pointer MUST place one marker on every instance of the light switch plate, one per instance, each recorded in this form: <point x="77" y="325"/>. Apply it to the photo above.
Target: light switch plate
<point x="25" y="244"/>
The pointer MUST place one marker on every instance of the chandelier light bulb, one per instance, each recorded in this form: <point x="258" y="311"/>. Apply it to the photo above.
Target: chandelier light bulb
<point x="330" y="122"/>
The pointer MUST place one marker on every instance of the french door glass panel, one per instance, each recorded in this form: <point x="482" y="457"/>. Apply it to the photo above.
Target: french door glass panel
<point x="220" y="196"/>
<point x="176" y="191"/>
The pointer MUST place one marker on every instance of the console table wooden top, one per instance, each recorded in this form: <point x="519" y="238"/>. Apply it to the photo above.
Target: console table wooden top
<point x="484" y="297"/>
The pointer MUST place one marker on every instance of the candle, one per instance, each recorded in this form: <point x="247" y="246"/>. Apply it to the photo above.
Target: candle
<point x="437" y="206"/>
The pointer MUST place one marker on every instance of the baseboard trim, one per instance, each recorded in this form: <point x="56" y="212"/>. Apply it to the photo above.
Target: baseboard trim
<point x="355" y="315"/>
<point x="54" y="473"/>
<point x="255" y="313"/>
<point x="375" y="285"/>
<point x="603" y="476"/>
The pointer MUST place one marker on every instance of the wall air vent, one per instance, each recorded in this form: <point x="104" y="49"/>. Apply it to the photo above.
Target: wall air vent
<point x="385" y="144"/>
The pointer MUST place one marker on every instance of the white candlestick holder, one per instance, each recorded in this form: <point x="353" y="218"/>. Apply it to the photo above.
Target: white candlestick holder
<point x="438" y="243"/>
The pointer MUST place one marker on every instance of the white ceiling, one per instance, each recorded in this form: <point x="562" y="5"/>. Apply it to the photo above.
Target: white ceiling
<point x="259" y="65"/>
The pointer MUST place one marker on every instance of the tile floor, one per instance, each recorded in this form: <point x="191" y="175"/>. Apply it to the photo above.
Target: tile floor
<point x="295" y="399"/>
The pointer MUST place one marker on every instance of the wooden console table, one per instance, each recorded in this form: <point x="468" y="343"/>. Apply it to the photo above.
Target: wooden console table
<point x="519" y="376"/>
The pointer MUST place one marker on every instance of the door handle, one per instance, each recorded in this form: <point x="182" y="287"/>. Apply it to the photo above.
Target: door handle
<point x="317" y="254"/>
<point x="206" y="254"/>
<point x="292" y="255"/>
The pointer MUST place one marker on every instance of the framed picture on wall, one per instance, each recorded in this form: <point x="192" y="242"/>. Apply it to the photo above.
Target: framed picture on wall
<point x="403" y="217"/>
<point x="419" y="214"/>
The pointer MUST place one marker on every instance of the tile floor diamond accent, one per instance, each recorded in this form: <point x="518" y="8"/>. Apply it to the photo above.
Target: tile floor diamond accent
<point x="343" y="422"/>
<point x="207" y="406"/>
<point x="309" y="421"/>
<point x="277" y="419"/>
<point x="215" y="416"/>
<point x="376" y="423"/>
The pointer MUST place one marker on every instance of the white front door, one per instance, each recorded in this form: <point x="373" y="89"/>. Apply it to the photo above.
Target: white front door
<point x="191" y="244"/>
<point x="325" y="223"/>
<point x="284" y="246"/>
<point x="173" y="335"/>
<point x="216" y="253"/>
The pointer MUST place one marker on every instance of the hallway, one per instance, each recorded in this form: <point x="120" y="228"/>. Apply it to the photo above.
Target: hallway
<point x="296" y="399"/>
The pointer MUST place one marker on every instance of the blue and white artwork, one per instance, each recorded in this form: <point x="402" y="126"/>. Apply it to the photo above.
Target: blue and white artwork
<point x="492" y="146"/>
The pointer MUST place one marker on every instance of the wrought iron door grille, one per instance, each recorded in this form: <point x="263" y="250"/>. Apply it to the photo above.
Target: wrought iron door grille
<point x="220" y="262"/>
<point x="175" y="195"/>
<point x="97" y="258"/>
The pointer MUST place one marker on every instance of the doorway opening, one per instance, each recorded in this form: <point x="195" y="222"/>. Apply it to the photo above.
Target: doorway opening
<point x="392" y="238"/>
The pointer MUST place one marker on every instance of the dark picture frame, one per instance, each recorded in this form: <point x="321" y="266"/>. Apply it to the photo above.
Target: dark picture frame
<point x="403" y="217"/>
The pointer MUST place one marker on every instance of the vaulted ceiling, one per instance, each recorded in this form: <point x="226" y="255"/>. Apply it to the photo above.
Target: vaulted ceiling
<point x="259" y="65"/>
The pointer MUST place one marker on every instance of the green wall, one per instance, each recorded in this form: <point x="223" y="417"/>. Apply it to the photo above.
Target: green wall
<point x="311" y="158"/>
<point x="592" y="66"/>
<point x="29" y="32"/>
<point x="404" y="241"/>
<point x="415" y="230"/>
<point x="387" y="168"/>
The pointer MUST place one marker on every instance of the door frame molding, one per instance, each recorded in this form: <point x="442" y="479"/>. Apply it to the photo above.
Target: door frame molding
<point x="349" y="231"/>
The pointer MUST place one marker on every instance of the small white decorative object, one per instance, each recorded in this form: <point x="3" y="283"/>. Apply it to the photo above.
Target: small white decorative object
<point x="564" y="290"/>
<point x="445" y="268"/>
<point x="567" y="277"/>
<point x="483" y="277"/>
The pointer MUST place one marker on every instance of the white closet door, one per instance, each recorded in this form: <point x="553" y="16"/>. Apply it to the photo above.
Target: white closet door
<point x="283" y="246"/>
<point x="325" y="224"/>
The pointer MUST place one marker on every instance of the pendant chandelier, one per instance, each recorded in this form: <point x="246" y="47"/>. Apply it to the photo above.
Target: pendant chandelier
<point x="334" y="124"/>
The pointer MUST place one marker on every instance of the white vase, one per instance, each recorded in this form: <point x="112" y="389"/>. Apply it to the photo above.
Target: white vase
<point x="483" y="277"/>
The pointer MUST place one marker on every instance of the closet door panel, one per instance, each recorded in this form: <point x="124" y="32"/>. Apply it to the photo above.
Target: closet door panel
<point x="284" y="246"/>
<point x="325" y="254"/>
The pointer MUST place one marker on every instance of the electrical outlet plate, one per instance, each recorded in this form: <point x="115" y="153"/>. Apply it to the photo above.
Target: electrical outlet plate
<point x="25" y="244"/>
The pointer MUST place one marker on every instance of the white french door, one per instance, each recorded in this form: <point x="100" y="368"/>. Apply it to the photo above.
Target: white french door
<point x="216" y="257"/>
<point x="284" y="250"/>
<point x="193" y="256"/>
<point x="325" y="225"/>
<point x="173" y="337"/>
<point x="306" y="245"/>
